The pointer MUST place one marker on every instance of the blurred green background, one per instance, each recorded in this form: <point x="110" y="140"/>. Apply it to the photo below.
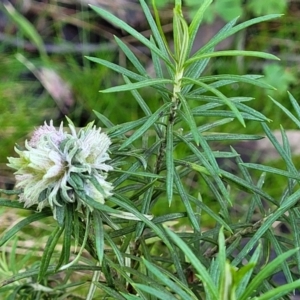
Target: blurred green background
<point x="44" y="74"/>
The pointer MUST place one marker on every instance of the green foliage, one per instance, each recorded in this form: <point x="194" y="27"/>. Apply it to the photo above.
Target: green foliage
<point x="127" y="246"/>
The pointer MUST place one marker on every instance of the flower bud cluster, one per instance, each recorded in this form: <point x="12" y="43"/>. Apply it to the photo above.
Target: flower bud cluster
<point x="56" y="166"/>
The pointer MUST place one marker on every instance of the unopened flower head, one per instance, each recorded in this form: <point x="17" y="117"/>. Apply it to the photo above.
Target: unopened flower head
<point x="57" y="166"/>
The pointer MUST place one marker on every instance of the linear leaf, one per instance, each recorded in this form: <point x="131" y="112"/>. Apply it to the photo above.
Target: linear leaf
<point x="48" y="252"/>
<point x="251" y="79"/>
<point x="269" y="220"/>
<point x="164" y="295"/>
<point x="169" y="162"/>
<point x="116" y="68"/>
<point x="278" y="250"/>
<point x="99" y="234"/>
<point x="271" y="170"/>
<point x="246" y="186"/>
<point x="16" y="228"/>
<point x="280" y="291"/>
<point x="196" y="21"/>
<point x="243" y="281"/>
<point x="189" y="119"/>
<point x="104" y="119"/>
<point x="223" y="80"/>
<point x="208" y="284"/>
<point x="151" y="120"/>
<point x="141" y="174"/>
<point x="131" y="56"/>
<point x="137" y="85"/>
<point x="185" y="200"/>
<point x="295" y="104"/>
<point x="125" y="127"/>
<point x="168" y="282"/>
<point x="226" y="33"/>
<point x="157" y="34"/>
<point x="266" y="272"/>
<point x="220" y="95"/>
<point x="291" y="167"/>
<point x="118" y="22"/>
<point x="287" y="112"/>
<point x="143" y="105"/>
<point x="231" y="53"/>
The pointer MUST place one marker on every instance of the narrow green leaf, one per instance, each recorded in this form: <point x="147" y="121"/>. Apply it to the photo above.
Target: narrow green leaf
<point x="231" y="137"/>
<point x="67" y="238"/>
<point x="13" y="204"/>
<point x="131" y="56"/>
<point x="243" y="275"/>
<point x="157" y="33"/>
<point x="118" y="22"/>
<point x="194" y="71"/>
<point x="230" y="53"/>
<point x="190" y="119"/>
<point x="169" y="162"/>
<point x="294" y="221"/>
<point x="220" y="95"/>
<point x="119" y="200"/>
<point x="164" y="295"/>
<point x="196" y="21"/>
<point x="295" y="104"/>
<point x="271" y="170"/>
<point x="151" y="120"/>
<point x="104" y="119"/>
<point x="141" y="174"/>
<point x="99" y="234"/>
<point x="230" y="31"/>
<point x="280" y="291"/>
<point x="115" y="249"/>
<point x="210" y="212"/>
<point x="266" y="272"/>
<point x="227" y="114"/>
<point x="256" y="200"/>
<point x="153" y="148"/>
<point x="208" y="160"/>
<point x="121" y="129"/>
<point x="269" y="220"/>
<point x="185" y="200"/>
<point x="287" y="111"/>
<point x="168" y="282"/>
<point x="223" y="199"/>
<point x="222" y="265"/>
<point x="48" y="251"/>
<point x="208" y="284"/>
<point x="137" y="85"/>
<point x="278" y="250"/>
<point x="143" y="105"/>
<point x="20" y="225"/>
<point x="145" y="208"/>
<point x="226" y="78"/>
<point x="291" y="167"/>
<point x="116" y="68"/>
<point x="109" y="291"/>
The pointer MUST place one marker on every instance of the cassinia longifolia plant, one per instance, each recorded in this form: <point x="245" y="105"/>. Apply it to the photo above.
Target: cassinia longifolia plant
<point x="107" y="192"/>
